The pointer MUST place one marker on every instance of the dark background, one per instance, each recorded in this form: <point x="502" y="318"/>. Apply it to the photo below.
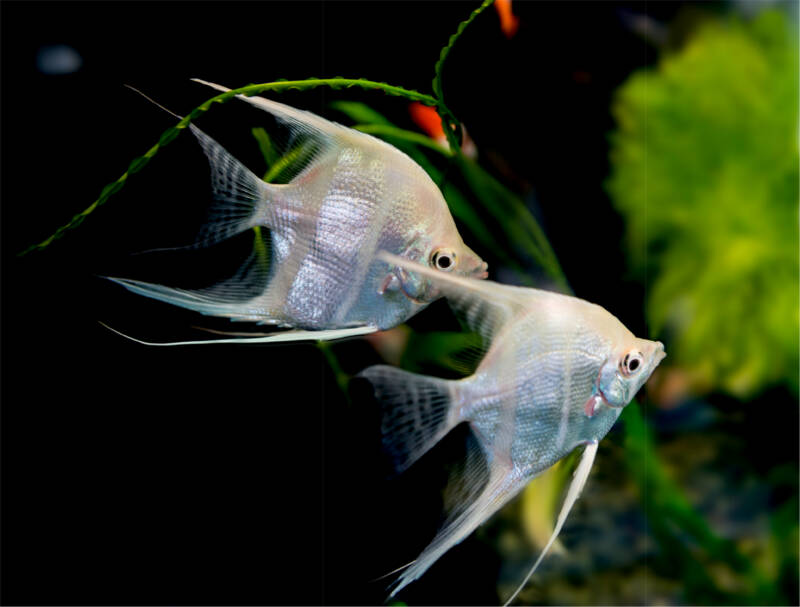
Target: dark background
<point x="242" y="474"/>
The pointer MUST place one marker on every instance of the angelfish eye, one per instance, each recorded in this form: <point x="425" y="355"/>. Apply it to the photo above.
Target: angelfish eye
<point x="631" y="363"/>
<point x="443" y="259"/>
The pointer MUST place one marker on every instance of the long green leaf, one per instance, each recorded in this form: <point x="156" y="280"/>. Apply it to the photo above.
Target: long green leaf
<point x="452" y="128"/>
<point x="515" y="217"/>
<point x="393" y="132"/>
<point x="268" y="150"/>
<point x="137" y="164"/>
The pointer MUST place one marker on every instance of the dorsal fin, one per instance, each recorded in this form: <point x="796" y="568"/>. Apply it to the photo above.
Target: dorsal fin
<point x="316" y="136"/>
<point x="485" y="306"/>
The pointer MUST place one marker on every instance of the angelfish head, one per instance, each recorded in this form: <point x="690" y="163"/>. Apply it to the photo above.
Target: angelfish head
<point x="624" y="372"/>
<point x="456" y="259"/>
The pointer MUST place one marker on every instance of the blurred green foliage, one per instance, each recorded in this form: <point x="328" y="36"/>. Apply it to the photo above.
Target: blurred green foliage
<point x="705" y="172"/>
<point x="713" y="569"/>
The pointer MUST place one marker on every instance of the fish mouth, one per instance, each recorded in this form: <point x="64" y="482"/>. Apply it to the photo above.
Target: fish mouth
<point x="480" y="271"/>
<point x="606" y="401"/>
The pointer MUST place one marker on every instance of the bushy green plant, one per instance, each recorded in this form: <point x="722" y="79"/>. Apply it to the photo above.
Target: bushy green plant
<point x="705" y="171"/>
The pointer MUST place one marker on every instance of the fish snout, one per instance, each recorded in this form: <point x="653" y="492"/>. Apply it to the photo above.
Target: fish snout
<point x="659" y="353"/>
<point x="477" y="268"/>
<point x="470" y="263"/>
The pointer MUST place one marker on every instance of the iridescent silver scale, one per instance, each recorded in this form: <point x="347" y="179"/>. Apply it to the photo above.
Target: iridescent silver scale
<point x="521" y="399"/>
<point x="353" y="206"/>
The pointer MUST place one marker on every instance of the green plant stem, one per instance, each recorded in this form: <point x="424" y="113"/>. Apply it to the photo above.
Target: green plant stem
<point x="452" y="127"/>
<point x="137" y="164"/>
<point x="342" y="378"/>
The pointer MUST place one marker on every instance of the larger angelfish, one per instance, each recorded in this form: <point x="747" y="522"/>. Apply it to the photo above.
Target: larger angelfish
<point x="555" y="375"/>
<point x="352" y="196"/>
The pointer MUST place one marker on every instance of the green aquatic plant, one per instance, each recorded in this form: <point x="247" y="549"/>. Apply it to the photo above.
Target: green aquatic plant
<point x="695" y="552"/>
<point x="138" y="163"/>
<point x="450" y="124"/>
<point x="705" y="172"/>
<point x="677" y="185"/>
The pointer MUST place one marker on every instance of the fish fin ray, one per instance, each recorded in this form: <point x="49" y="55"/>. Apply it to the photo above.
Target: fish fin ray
<point x="487" y="493"/>
<point x="415" y="411"/>
<point x="317" y="135"/>
<point x="485" y="306"/>
<point x="240" y="197"/>
<point x="286" y="336"/>
<point x="466" y="478"/>
<point x="579" y="479"/>
<point x="214" y="304"/>
<point x="309" y="136"/>
<point x="234" y="297"/>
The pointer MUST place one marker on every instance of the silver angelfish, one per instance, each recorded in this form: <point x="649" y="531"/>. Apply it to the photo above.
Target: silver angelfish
<point x="555" y="375"/>
<point x="352" y="196"/>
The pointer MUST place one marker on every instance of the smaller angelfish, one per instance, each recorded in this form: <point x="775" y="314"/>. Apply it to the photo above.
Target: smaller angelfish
<point x="555" y="375"/>
<point x="352" y="195"/>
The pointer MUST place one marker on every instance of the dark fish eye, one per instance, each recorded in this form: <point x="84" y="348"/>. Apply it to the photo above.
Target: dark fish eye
<point x="630" y="363"/>
<point x="443" y="259"/>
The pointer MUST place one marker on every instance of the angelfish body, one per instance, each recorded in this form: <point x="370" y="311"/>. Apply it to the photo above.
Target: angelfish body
<point x="556" y="374"/>
<point x="353" y="195"/>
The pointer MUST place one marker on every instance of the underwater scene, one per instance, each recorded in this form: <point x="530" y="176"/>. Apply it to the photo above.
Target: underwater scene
<point x="400" y="303"/>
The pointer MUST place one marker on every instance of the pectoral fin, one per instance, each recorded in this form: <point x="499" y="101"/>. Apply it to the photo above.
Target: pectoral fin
<point x="389" y="284"/>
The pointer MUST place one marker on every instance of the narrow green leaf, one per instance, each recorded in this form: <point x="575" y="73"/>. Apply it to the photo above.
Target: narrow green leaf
<point x="341" y="376"/>
<point x="514" y="216"/>
<point x="385" y="130"/>
<point x="359" y="112"/>
<point x="250" y="90"/>
<point x="441" y="350"/>
<point x="452" y="127"/>
<point x="265" y="145"/>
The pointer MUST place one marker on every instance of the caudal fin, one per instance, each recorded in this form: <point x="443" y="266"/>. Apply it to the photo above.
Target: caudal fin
<point x="416" y="412"/>
<point x="241" y="198"/>
<point x="240" y="297"/>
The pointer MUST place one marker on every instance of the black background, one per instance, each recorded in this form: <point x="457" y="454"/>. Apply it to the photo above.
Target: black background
<point x="240" y="474"/>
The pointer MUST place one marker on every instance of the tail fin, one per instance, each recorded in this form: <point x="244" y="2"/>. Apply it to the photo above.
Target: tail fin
<point x="239" y="297"/>
<point x="198" y="301"/>
<point x="241" y="198"/>
<point x="416" y="412"/>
